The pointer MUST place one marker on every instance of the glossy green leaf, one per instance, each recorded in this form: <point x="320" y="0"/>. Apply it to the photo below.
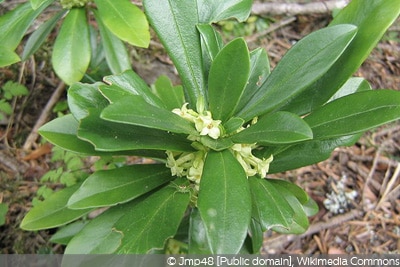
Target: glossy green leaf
<point x="172" y="96"/>
<point x="63" y="133"/>
<point x="224" y="202"/>
<point x="303" y="64"/>
<point x="299" y="221"/>
<point x="38" y="3"/>
<point x="233" y="124"/>
<point x="259" y="71"/>
<point x="355" y="113"/>
<point x="307" y="153"/>
<point x="211" y="44"/>
<point x="84" y="97"/>
<point x="111" y="187"/>
<point x="198" y="242"/>
<point x="372" y="20"/>
<point x="216" y="144"/>
<point x="16" y="22"/>
<point x="115" y="52"/>
<point x="257" y="236"/>
<point x="310" y="207"/>
<point x="292" y="188"/>
<point x="353" y="85"/>
<point x="7" y="56"/>
<point x="38" y="37"/>
<point x="270" y="207"/>
<point x="53" y="211"/>
<point x="228" y="77"/>
<point x="152" y="221"/>
<point x="135" y="110"/>
<point x="276" y="128"/>
<point x="112" y="136"/>
<point x="214" y="11"/>
<point x="175" y="22"/>
<point x="99" y="236"/>
<point x="71" y="52"/>
<point x="66" y="233"/>
<point x="125" y="20"/>
<point x="130" y="83"/>
<point x="98" y="64"/>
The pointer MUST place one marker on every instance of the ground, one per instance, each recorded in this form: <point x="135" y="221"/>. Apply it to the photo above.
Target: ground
<point x="369" y="223"/>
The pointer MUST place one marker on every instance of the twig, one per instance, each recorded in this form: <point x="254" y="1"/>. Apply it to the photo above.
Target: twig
<point x="390" y="186"/>
<point x="43" y="116"/>
<point x="270" y="29"/>
<point x="280" y="241"/>
<point x="293" y="9"/>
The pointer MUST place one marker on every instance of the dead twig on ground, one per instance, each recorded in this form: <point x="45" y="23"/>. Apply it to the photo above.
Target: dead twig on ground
<point x="274" y="245"/>
<point x="270" y="29"/>
<point x="293" y="9"/>
<point x="44" y="116"/>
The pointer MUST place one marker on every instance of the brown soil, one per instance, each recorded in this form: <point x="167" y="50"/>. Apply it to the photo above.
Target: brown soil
<point x="368" y="224"/>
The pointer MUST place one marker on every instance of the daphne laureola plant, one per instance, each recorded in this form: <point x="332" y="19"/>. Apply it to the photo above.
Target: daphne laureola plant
<point x="216" y="138"/>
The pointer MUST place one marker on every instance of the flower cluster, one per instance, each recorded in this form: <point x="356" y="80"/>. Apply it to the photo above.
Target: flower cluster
<point x="190" y="164"/>
<point x="187" y="164"/>
<point x="68" y="4"/>
<point x="250" y="163"/>
<point x="203" y="121"/>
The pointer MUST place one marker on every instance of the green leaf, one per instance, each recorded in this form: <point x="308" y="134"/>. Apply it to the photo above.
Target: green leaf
<point x="270" y="207"/>
<point x="115" y="52"/>
<point x="311" y="207"/>
<point x="172" y="96"/>
<point x="7" y="56"/>
<point x="66" y="233"/>
<point x="3" y="213"/>
<point x="111" y="187"/>
<point x="372" y="21"/>
<point x="198" y="242"/>
<point x="175" y="22"/>
<point x="233" y="124"/>
<point x="276" y="128"/>
<point x="38" y="37"/>
<point x="129" y="83"/>
<point x="6" y="107"/>
<point x="228" y="77"/>
<point x="99" y="236"/>
<point x="299" y="221"/>
<point x="292" y="188"/>
<point x="355" y="113"/>
<point x="125" y="20"/>
<point x="152" y="221"/>
<point x="84" y="97"/>
<point x="38" y="3"/>
<point x="353" y="85"/>
<point x="135" y="110"/>
<point x="224" y="202"/>
<point x="307" y="153"/>
<point x="71" y="52"/>
<point x="259" y="71"/>
<point x="53" y="211"/>
<point x="257" y="236"/>
<point x="303" y="64"/>
<point x="216" y="144"/>
<point x="111" y="136"/>
<point x="63" y="133"/>
<point x="214" y="11"/>
<point x="16" y="22"/>
<point x="211" y="44"/>
<point x="15" y="89"/>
